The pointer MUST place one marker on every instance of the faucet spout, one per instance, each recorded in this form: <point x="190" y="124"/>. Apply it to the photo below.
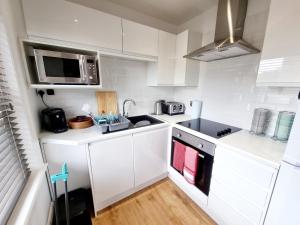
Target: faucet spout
<point x="124" y="102"/>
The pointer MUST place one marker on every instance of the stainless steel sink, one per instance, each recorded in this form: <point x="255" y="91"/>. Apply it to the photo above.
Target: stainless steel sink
<point x="142" y="121"/>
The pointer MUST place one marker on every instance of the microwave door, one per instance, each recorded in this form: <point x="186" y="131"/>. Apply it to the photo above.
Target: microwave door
<point x="59" y="67"/>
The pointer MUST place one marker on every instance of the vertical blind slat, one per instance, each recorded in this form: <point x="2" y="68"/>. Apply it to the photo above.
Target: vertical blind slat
<point x="14" y="169"/>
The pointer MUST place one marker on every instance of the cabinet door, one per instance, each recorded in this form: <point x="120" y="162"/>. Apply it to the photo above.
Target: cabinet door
<point x="280" y="58"/>
<point x="224" y="214"/>
<point x="111" y="164"/>
<point x="75" y="157"/>
<point x="187" y="70"/>
<point x="181" y="50"/>
<point x="166" y="58"/>
<point x="139" y="39"/>
<point x="150" y="154"/>
<point x="66" y="21"/>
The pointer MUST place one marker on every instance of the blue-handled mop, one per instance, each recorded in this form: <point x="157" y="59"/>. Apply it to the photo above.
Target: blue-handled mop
<point x="62" y="176"/>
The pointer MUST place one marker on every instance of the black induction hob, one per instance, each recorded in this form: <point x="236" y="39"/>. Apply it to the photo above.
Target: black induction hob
<point x="210" y="128"/>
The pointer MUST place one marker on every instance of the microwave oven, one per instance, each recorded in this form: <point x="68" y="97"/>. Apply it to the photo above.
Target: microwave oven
<point x="55" y="67"/>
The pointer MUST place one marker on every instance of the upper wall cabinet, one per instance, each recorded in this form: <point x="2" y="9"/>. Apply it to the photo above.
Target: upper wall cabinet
<point x="171" y="68"/>
<point x="187" y="70"/>
<point x="62" y="20"/>
<point x="280" y="58"/>
<point x="161" y="73"/>
<point x="139" y="39"/>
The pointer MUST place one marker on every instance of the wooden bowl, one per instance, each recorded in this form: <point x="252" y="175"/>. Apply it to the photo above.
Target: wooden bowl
<point x="80" y="122"/>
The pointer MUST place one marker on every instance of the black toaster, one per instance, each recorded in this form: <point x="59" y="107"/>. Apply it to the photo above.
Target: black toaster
<point x="54" y="120"/>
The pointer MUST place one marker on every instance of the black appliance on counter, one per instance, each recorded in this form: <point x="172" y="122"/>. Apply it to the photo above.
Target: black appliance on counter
<point x="54" y="120"/>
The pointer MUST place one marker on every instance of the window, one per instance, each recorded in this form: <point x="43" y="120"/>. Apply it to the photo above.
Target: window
<point x="14" y="169"/>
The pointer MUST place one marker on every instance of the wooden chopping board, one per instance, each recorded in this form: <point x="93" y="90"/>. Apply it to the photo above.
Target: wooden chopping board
<point x="107" y="102"/>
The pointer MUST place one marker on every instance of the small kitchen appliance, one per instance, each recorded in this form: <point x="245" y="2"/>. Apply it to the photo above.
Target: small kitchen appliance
<point x="54" y="120"/>
<point x="173" y="108"/>
<point x="60" y="67"/>
<point x="158" y="105"/>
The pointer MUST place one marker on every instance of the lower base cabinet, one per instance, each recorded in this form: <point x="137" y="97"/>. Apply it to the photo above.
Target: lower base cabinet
<point x="75" y="157"/>
<point x="123" y="165"/>
<point x="150" y="155"/>
<point x="240" y="189"/>
<point x="111" y="168"/>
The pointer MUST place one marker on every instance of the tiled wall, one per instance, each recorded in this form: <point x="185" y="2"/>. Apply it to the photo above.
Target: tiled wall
<point x="228" y="87"/>
<point x="127" y="77"/>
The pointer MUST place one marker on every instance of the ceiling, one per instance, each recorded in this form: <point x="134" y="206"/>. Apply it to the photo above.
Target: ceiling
<point x="172" y="11"/>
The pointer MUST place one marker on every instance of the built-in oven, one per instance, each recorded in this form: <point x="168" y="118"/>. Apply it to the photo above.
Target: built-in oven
<point x="57" y="67"/>
<point x="206" y="151"/>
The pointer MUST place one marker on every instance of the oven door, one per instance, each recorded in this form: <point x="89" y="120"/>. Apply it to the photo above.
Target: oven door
<point x="205" y="151"/>
<point x="59" y="67"/>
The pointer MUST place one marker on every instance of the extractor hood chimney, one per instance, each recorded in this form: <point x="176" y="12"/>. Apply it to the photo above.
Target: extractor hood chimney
<point x="228" y="40"/>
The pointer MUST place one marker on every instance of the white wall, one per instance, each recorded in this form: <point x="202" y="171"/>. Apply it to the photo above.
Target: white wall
<point x="228" y="87"/>
<point x="127" y="77"/>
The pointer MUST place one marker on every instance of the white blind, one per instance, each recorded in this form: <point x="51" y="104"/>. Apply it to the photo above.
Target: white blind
<point x="14" y="169"/>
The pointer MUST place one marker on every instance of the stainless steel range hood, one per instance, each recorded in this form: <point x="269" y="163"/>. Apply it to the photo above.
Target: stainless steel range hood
<point x="228" y="40"/>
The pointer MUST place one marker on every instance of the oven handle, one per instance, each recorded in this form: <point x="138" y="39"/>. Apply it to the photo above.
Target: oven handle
<point x="200" y="155"/>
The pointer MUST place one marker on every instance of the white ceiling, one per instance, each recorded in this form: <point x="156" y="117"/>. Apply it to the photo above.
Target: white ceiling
<point x="172" y="11"/>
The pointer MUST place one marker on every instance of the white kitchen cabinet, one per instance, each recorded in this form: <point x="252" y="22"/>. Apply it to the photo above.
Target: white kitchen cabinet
<point x="112" y="171"/>
<point x="150" y="155"/>
<point x="139" y="39"/>
<point x="75" y="157"/>
<point x="70" y="22"/>
<point x="161" y="73"/>
<point x="187" y="70"/>
<point x="280" y="57"/>
<point x="171" y="68"/>
<point x="242" y="185"/>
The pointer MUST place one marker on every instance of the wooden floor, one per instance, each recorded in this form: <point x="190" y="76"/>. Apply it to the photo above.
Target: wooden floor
<point x="161" y="204"/>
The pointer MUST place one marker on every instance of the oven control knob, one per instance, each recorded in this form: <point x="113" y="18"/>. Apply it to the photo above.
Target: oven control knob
<point x="200" y="145"/>
<point x="178" y="135"/>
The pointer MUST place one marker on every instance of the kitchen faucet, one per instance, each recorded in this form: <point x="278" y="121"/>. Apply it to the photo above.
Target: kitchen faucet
<point x="124" y="102"/>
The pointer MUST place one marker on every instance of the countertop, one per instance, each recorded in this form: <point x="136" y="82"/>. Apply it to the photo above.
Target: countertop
<point x="262" y="148"/>
<point x="172" y="119"/>
<point x="88" y="135"/>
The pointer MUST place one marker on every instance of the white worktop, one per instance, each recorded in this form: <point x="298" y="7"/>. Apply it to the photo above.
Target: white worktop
<point x="172" y="119"/>
<point x="262" y="148"/>
<point x="88" y="135"/>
